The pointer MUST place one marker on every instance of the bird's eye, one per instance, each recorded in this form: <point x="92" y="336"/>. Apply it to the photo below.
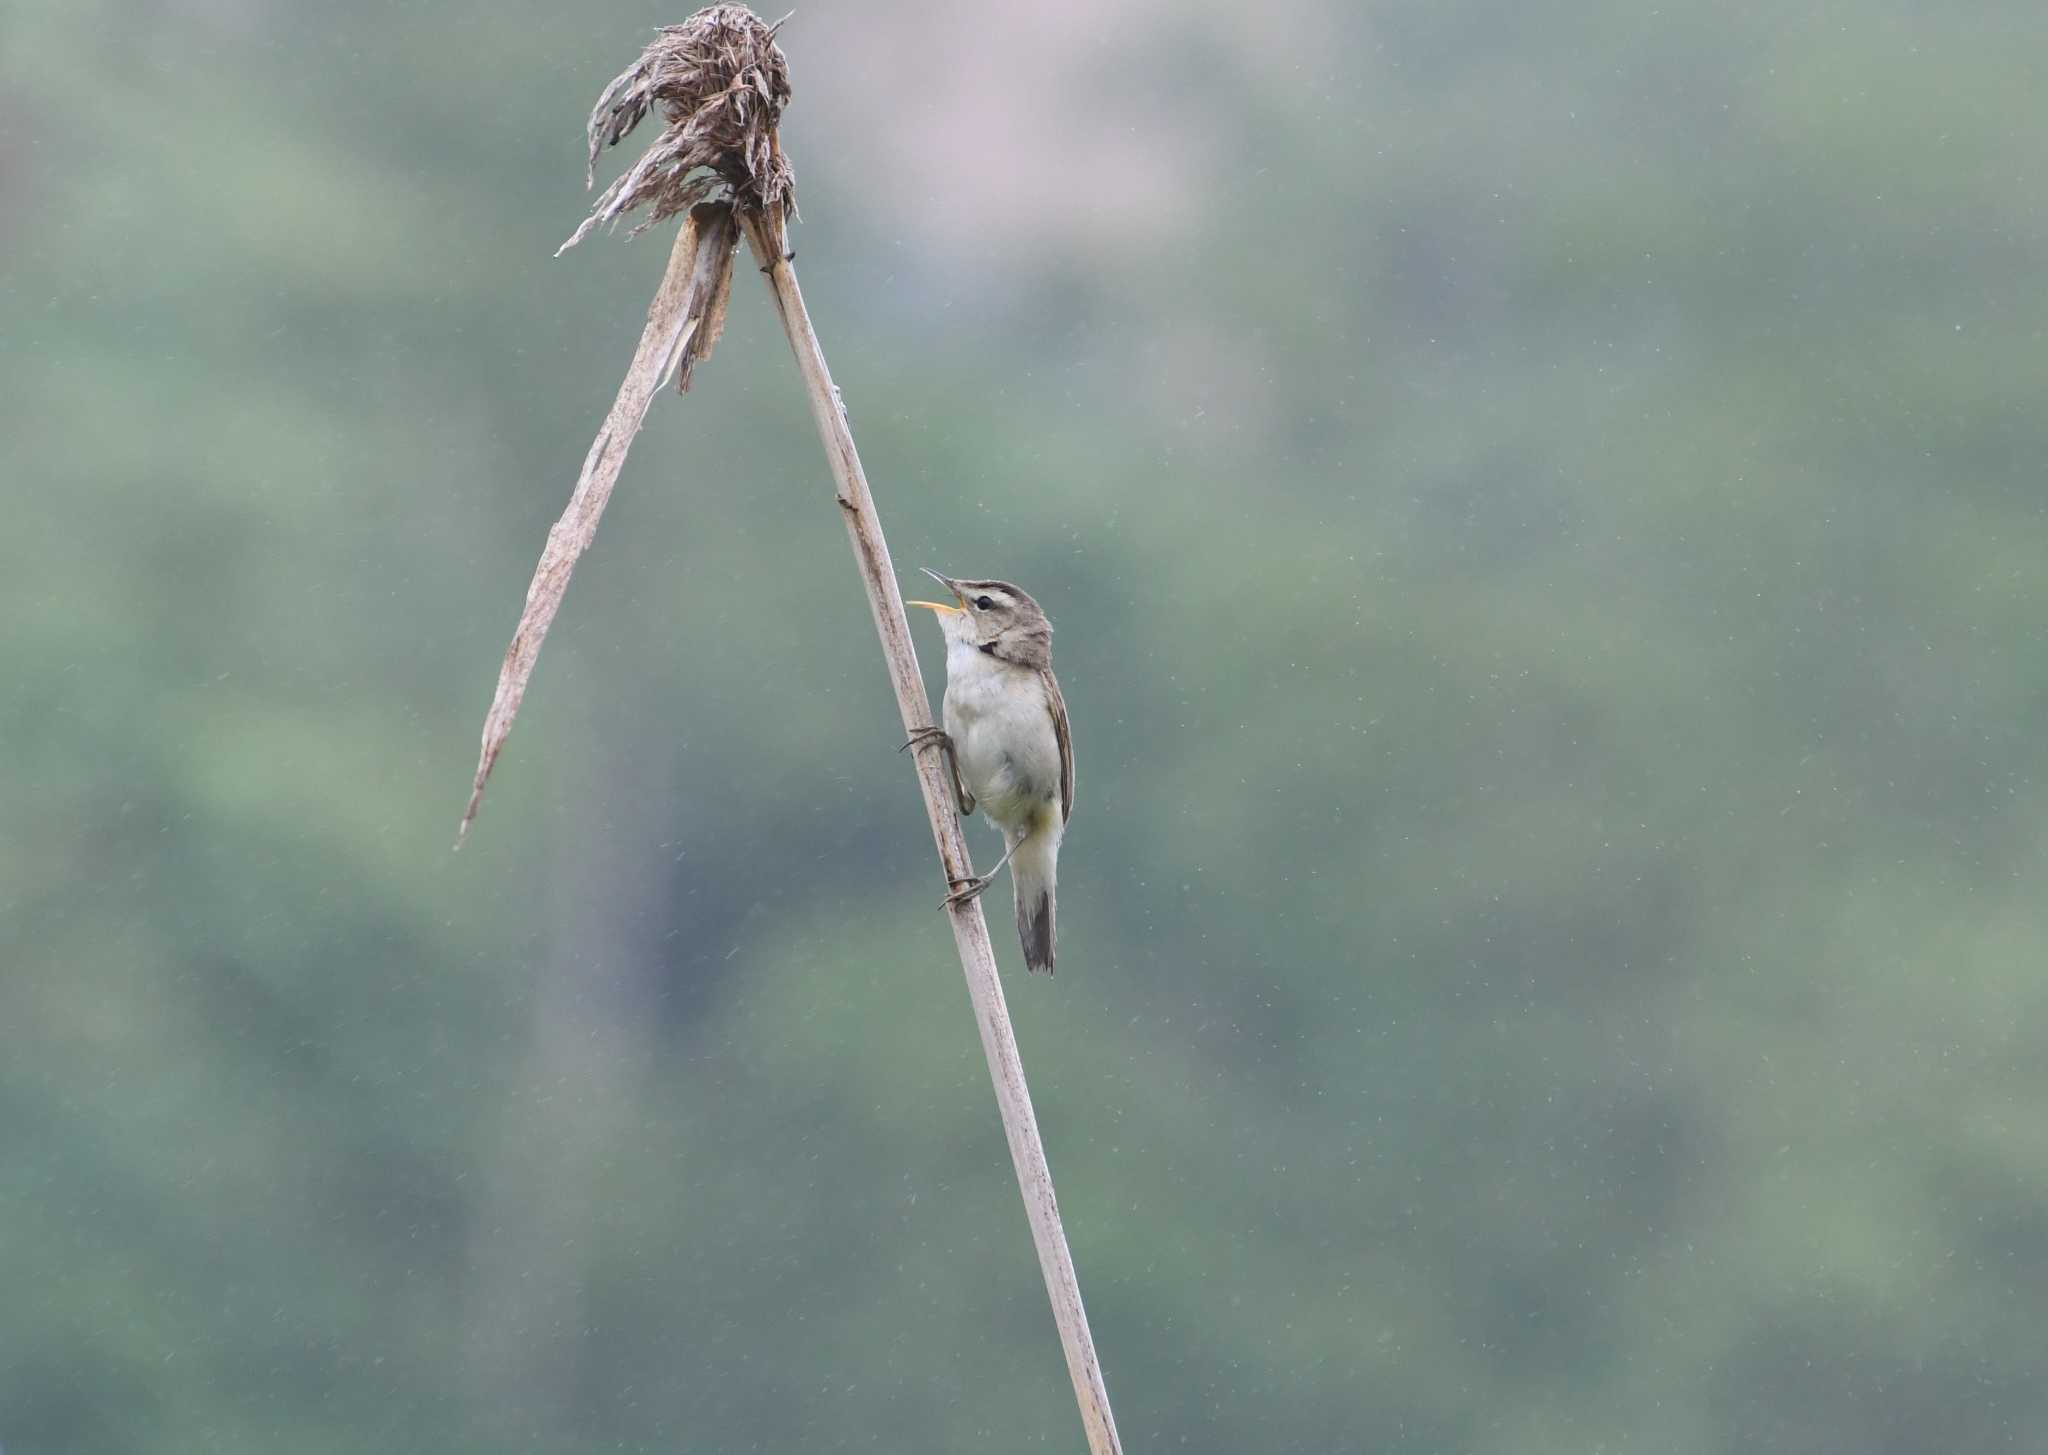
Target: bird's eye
<point x="983" y="602"/>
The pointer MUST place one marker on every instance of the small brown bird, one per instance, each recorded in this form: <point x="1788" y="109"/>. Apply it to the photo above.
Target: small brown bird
<point x="1006" y="735"/>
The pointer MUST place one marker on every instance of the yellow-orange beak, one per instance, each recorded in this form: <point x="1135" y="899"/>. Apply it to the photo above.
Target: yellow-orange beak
<point x="935" y="605"/>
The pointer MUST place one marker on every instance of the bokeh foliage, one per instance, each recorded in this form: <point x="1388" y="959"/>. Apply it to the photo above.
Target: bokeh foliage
<point x="1543" y="508"/>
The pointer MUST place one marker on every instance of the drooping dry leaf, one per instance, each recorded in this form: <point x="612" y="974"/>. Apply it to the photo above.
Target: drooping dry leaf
<point x="683" y="323"/>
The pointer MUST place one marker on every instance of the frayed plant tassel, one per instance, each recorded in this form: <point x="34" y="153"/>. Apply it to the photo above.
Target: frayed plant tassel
<point x="721" y="83"/>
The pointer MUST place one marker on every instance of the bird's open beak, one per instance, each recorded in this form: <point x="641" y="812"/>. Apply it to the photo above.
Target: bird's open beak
<point x="935" y="605"/>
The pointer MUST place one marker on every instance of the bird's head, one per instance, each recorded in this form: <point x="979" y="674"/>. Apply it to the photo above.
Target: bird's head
<point x="995" y="617"/>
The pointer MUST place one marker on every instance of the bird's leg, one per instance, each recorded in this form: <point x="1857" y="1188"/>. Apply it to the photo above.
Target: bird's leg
<point x="963" y="889"/>
<point x="925" y="737"/>
<point x="972" y="888"/>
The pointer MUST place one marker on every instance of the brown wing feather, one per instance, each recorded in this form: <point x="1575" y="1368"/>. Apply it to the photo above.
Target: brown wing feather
<point x="1058" y="704"/>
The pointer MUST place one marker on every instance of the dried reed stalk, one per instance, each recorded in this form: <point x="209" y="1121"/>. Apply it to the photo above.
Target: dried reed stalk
<point x="683" y="324"/>
<point x="722" y="82"/>
<point x="765" y="236"/>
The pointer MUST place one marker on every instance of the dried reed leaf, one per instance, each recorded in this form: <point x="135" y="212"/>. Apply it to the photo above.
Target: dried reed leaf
<point x="721" y="83"/>
<point x="682" y="324"/>
<point x="713" y="327"/>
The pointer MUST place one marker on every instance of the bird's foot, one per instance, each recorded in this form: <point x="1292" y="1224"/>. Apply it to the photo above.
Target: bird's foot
<point x="928" y="736"/>
<point x="924" y="737"/>
<point x="967" y="890"/>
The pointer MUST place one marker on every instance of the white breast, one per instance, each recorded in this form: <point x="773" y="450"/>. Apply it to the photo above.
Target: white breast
<point x="1003" y="734"/>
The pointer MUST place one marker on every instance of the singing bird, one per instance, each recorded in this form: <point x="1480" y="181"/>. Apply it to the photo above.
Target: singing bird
<point x="1007" y="739"/>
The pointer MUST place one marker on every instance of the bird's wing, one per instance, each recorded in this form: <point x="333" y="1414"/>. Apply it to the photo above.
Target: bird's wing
<point x="1058" y="706"/>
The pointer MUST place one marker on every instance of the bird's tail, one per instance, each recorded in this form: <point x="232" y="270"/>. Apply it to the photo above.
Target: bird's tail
<point x="1034" y="869"/>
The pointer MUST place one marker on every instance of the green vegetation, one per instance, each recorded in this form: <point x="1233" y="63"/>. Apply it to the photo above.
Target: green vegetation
<point x="1544" y="513"/>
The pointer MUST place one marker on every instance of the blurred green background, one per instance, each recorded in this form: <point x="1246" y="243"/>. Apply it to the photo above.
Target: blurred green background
<point x="1543" y="508"/>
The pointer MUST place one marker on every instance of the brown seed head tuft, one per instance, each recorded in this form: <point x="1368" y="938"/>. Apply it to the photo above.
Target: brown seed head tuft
<point x="721" y="83"/>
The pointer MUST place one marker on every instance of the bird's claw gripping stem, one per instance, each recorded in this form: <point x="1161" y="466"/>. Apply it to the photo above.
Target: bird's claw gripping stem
<point x="970" y="891"/>
<point x="925" y="737"/>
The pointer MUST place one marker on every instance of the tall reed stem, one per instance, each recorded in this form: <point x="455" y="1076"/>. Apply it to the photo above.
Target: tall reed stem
<point x="766" y="236"/>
